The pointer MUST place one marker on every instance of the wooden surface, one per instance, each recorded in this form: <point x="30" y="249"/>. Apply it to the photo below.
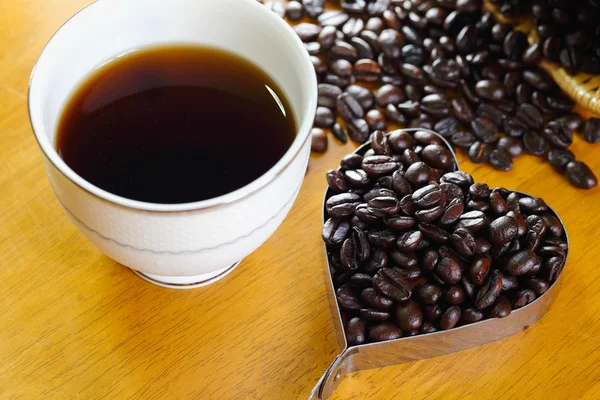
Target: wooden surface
<point x="74" y="324"/>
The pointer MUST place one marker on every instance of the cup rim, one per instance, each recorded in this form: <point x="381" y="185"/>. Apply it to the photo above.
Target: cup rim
<point x="303" y="133"/>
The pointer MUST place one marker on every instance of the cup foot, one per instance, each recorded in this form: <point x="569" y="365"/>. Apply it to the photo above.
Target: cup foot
<point x="186" y="282"/>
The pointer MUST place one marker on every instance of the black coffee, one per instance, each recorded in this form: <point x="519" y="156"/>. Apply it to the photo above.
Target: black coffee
<point x="175" y="124"/>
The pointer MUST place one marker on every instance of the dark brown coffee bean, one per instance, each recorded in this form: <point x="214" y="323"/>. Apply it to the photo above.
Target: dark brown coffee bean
<point x="470" y="316"/>
<point x="324" y="117"/>
<point x="336" y="182"/>
<point x="409" y="241"/>
<point x="558" y="134"/>
<point x="472" y="220"/>
<point x="307" y="31"/>
<point x="435" y="105"/>
<point x="418" y="174"/>
<point x="358" y="130"/>
<point x="391" y="282"/>
<point x="343" y="50"/>
<point x="384" y="206"/>
<point x="538" y="78"/>
<point x="356" y="331"/>
<point x="580" y="175"/>
<point x="348" y="107"/>
<point x="463" y="242"/>
<point x="502" y="230"/>
<point x="454" y="295"/>
<point x="488" y="293"/>
<point x="501" y="160"/>
<point x="409" y="315"/>
<point x="362" y="95"/>
<point x="389" y="94"/>
<point x="335" y="231"/>
<point x="522" y="263"/>
<point x="379" y="165"/>
<point x="367" y="70"/>
<point x="591" y="131"/>
<point x="346" y="298"/>
<point x="351" y="161"/>
<point x="294" y="10"/>
<point x="384" y="239"/>
<point x="449" y="270"/>
<point x="327" y="37"/>
<point x="515" y="44"/>
<point x="534" y="143"/>
<point x="339" y="133"/>
<point x="479" y="152"/>
<point x="374" y="299"/>
<point x="490" y="90"/>
<point x="318" y="140"/>
<point x="510" y="145"/>
<point x="514" y="127"/>
<point x="342" y="205"/>
<point x="341" y="68"/>
<point x="356" y="178"/>
<point x="450" y="318"/>
<point x="391" y="43"/>
<point x="532" y="205"/>
<point x="533" y="54"/>
<point x="485" y="130"/>
<point x="328" y="95"/>
<point x="501" y="309"/>
<point x="553" y="225"/>
<point x="384" y="331"/>
<point x="523" y="297"/>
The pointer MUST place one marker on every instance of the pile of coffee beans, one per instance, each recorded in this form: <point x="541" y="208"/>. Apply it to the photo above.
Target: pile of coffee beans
<point x="569" y="31"/>
<point x="416" y="246"/>
<point x="439" y="64"/>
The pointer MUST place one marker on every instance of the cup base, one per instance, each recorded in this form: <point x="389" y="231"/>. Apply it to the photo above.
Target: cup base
<point x="186" y="282"/>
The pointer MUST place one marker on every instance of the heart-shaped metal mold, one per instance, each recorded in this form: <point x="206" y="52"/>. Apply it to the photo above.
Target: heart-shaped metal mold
<point x="408" y="349"/>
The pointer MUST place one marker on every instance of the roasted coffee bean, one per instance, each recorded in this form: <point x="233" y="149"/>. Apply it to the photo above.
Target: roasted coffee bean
<point x="356" y="331"/>
<point x="580" y="175"/>
<point x="539" y="286"/>
<point x="532" y="205"/>
<point x="472" y="220"/>
<point x="449" y="270"/>
<point x="479" y="152"/>
<point x="522" y="262"/>
<point x="341" y="68"/>
<point x="384" y="239"/>
<point x="324" y="117"/>
<point x="534" y="143"/>
<point x="553" y="225"/>
<point x="384" y="331"/>
<point x="463" y="242"/>
<point x="391" y="282"/>
<point x="335" y="231"/>
<point x="463" y="139"/>
<point x="435" y="105"/>
<point x="374" y="315"/>
<point x="294" y="10"/>
<point x="591" y="131"/>
<point x="362" y="95"/>
<point x="454" y="295"/>
<point x="391" y="43"/>
<point x="346" y="298"/>
<point x="307" y="32"/>
<point x="498" y="205"/>
<point x="485" y="130"/>
<point x="336" y="182"/>
<point x="339" y="133"/>
<point x="523" y="297"/>
<point x="558" y="134"/>
<point x="452" y="212"/>
<point x="450" y="318"/>
<point x="384" y="206"/>
<point x="327" y="37"/>
<point x="342" y="205"/>
<point x="429" y="294"/>
<point x="438" y="157"/>
<point x="404" y="260"/>
<point x="502" y="230"/>
<point x="490" y="90"/>
<point x="501" y="160"/>
<point x="351" y="161"/>
<point x="319" y="140"/>
<point x="429" y="214"/>
<point x="501" y="309"/>
<point x="462" y="110"/>
<point x="348" y="107"/>
<point x="374" y="299"/>
<point x="389" y="94"/>
<point x="356" y="178"/>
<point x="409" y="315"/>
<point x="391" y="113"/>
<point x="488" y="293"/>
<point x="418" y="174"/>
<point x="379" y="165"/>
<point x="328" y="95"/>
<point x="358" y="130"/>
<point x="314" y="48"/>
<point x="409" y="241"/>
<point x="367" y="70"/>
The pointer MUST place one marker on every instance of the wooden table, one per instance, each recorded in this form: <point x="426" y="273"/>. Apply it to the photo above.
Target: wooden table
<point x="75" y="324"/>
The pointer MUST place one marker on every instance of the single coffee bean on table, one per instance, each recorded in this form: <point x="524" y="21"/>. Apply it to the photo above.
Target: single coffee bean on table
<point x="417" y="247"/>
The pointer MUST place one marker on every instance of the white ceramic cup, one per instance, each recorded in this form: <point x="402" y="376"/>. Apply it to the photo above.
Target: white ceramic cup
<point x="184" y="245"/>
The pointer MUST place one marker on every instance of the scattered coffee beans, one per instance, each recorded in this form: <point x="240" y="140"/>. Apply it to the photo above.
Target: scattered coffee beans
<point x="449" y="66"/>
<point x="416" y="246"/>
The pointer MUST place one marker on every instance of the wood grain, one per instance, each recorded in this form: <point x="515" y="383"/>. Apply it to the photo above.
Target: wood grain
<point x="74" y="324"/>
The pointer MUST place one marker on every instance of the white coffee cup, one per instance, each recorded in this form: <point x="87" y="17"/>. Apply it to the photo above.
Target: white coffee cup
<point x="184" y="245"/>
